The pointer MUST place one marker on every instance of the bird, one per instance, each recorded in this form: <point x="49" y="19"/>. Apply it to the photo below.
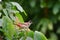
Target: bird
<point x="23" y="25"/>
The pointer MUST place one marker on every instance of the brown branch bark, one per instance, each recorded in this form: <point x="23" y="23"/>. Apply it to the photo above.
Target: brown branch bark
<point x="46" y="9"/>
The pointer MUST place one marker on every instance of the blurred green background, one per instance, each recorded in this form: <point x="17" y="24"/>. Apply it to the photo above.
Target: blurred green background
<point x="44" y="14"/>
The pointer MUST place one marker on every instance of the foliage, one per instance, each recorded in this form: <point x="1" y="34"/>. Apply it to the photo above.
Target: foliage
<point x="10" y="30"/>
<point x="45" y="15"/>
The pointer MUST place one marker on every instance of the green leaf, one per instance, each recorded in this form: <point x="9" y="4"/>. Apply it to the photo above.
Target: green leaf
<point x="39" y="36"/>
<point x="20" y="17"/>
<point x="1" y="29"/>
<point x="30" y="34"/>
<point x="53" y="36"/>
<point x="59" y="17"/>
<point x="5" y="12"/>
<point x="58" y="30"/>
<point x="25" y="13"/>
<point x="8" y="27"/>
<point x="33" y="3"/>
<point x="18" y="7"/>
<point x="50" y="25"/>
<point x="1" y="7"/>
<point x="56" y="9"/>
<point x="1" y="21"/>
<point x="44" y="28"/>
<point x="0" y="14"/>
<point x="42" y="3"/>
<point x="44" y="22"/>
<point x="21" y="34"/>
<point x="8" y="5"/>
